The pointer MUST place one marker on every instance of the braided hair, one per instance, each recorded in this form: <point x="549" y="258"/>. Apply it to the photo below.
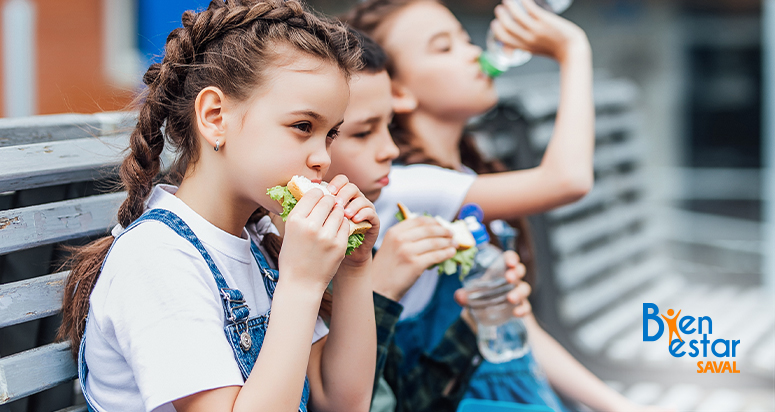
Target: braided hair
<point x="230" y="45"/>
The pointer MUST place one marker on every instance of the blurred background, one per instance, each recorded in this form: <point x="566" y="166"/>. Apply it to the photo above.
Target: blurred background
<point x="683" y="213"/>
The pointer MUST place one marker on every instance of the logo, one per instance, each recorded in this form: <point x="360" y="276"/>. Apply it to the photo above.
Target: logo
<point x="701" y="345"/>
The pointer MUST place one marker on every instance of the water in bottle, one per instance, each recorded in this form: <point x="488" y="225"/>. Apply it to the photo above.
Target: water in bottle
<point x="497" y="59"/>
<point x="500" y="336"/>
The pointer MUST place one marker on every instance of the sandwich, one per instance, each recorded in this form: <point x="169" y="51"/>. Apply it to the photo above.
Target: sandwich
<point x="461" y="236"/>
<point x="289" y="195"/>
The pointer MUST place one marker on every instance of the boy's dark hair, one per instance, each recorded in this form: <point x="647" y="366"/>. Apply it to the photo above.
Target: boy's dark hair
<point x="373" y="56"/>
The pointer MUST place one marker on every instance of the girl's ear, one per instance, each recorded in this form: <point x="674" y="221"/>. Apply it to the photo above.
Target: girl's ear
<point x="403" y="99"/>
<point x="210" y="116"/>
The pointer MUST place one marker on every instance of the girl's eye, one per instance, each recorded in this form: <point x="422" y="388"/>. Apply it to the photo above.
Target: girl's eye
<point x="305" y="127"/>
<point x="362" y="135"/>
<point x="333" y="134"/>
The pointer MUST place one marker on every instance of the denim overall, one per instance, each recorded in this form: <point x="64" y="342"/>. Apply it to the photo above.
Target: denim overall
<point x="245" y="334"/>
<point x="519" y="380"/>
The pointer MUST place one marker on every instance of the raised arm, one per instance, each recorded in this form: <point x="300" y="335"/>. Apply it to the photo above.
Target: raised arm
<point x="566" y="170"/>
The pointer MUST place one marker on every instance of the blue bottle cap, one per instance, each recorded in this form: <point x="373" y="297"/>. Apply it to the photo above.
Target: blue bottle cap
<point x="471" y="209"/>
<point x="473" y="215"/>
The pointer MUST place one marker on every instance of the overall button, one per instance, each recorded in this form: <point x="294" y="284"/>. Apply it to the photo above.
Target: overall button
<point x="245" y="342"/>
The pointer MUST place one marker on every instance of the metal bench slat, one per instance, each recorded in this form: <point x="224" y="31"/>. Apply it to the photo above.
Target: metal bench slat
<point x="610" y="156"/>
<point x="51" y="128"/>
<point x="35" y="370"/>
<point x="47" y="164"/>
<point x="76" y="408"/>
<point x="606" y="189"/>
<point x="571" y="236"/>
<point x="605" y="125"/>
<point x="31" y="299"/>
<point x="575" y="270"/>
<point x="48" y="223"/>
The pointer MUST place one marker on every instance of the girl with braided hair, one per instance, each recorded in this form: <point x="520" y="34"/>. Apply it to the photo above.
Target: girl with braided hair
<point x="172" y="312"/>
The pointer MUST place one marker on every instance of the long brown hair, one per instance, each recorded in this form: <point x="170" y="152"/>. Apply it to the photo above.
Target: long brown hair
<point x="368" y="17"/>
<point x="230" y="45"/>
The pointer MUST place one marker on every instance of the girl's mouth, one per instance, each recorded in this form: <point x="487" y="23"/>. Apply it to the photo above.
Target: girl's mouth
<point x="384" y="181"/>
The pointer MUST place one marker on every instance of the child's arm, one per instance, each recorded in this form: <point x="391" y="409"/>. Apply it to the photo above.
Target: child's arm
<point x="566" y="170"/>
<point x="571" y="378"/>
<point x="316" y="234"/>
<point x="341" y="366"/>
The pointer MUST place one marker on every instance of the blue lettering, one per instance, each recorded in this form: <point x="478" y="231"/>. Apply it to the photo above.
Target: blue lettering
<point x="705" y="343"/>
<point x="693" y="345"/>
<point x="675" y="348"/>
<point x="734" y="346"/>
<point x="710" y="324"/>
<point x="726" y="348"/>
<point x="650" y="312"/>
<point x="685" y="323"/>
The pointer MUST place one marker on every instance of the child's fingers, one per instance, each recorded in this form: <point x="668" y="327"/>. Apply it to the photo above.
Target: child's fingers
<point x="436" y="256"/>
<point x="305" y="205"/>
<point x="514" y="20"/>
<point x="506" y="37"/>
<point x="519" y="294"/>
<point x="346" y="195"/>
<point x="511" y="258"/>
<point x="333" y="221"/>
<point x="319" y="213"/>
<point x="337" y="183"/>
<point x="356" y="206"/>
<point x="523" y="309"/>
<point x="532" y="9"/>
<point x="432" y="244"/>
<point x="430" y="231"/>
<point x="515" y="275"/>
<point x="367" y="214"/>
<point x="461" y="297"/>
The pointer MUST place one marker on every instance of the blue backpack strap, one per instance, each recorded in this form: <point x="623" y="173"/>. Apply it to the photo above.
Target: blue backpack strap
<point x="232" y="299"/>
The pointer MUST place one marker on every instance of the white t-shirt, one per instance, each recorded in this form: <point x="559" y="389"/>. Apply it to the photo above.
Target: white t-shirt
<point x="423" y="189"/>
<point x="155" y="330"/>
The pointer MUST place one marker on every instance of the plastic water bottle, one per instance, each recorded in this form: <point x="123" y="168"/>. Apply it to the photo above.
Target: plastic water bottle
<point x="500" y="336"/>
<point x="496" y="59"/>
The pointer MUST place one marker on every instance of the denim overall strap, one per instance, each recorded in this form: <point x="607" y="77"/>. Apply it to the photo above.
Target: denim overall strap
<point x="270" y="275"/>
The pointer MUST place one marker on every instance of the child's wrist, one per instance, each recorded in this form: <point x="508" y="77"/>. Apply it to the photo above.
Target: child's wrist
<point x="576" y="47"/>
<point x="304" y="289"/>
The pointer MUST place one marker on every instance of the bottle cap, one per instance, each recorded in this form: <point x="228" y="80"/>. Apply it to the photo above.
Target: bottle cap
<point x="488" y="67"/>
<point x="471" y="209"/>
<point x="473" y="215"/>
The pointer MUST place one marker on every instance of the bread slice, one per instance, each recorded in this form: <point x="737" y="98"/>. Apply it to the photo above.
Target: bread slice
<point x="299" y="185"/>
<point x="460" y="234"/>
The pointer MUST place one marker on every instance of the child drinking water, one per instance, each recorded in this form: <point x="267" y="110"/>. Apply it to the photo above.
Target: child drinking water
<point x="179" y="298"/>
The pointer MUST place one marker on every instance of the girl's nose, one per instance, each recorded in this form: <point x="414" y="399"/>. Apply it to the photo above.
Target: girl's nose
<point x="474" y="52"/>
<point x="319" y="160"/>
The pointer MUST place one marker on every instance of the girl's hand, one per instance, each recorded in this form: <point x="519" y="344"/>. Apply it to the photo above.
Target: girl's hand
<point x="315" y="240"/>
<point x="518" y="296"/>
<point x="408" y="249"/>
<point x="522" y="24"/>
<point x="358" y="209"/>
